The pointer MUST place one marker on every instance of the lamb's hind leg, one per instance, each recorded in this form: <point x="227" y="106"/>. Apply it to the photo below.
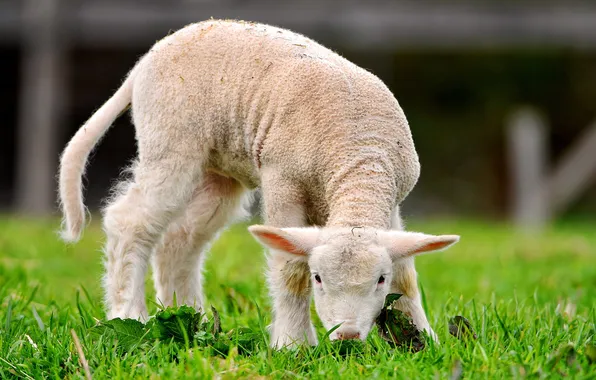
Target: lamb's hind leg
<point x="133" y="223"/>
<point x="178" y="258"/>
<point x="405" y="282"/>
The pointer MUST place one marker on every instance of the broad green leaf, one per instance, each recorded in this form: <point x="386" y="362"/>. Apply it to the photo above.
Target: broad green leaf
<point x="460" y="328"/>
<point x="390" y="299"/>
<point x="176" y="323"/>
<point x="127" y="332"/>
<point x="397" y="328"/>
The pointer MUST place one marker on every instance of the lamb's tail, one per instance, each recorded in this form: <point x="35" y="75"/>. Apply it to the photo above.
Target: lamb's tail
<point x="74" y="159"/>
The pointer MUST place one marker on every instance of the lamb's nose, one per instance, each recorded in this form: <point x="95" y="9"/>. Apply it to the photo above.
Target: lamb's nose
<point x="350" y="334"/>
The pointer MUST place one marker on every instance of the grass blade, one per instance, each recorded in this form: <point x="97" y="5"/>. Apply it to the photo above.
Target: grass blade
<point x="82" y="358"/>
<point x="8" y="316"/>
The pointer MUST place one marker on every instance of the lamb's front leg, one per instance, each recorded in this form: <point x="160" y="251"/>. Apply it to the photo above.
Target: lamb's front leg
<point x="290" y="288"/>
<point x="289" y="280"/>
<point x="405" y="282"/>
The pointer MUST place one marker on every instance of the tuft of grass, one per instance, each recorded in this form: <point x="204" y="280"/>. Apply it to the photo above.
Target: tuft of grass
<point x="528" y="299"/>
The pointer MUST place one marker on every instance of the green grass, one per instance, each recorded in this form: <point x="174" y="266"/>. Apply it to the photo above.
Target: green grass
<point x="515" y="290"/>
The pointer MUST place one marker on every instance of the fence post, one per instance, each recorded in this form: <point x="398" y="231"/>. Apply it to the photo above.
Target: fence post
<point x="40" y="107"/>
<point x="574" y="171"/>
<point x="527" y="160"/>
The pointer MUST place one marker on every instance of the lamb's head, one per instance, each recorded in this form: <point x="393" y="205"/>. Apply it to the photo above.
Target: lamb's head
<point x="350" y="268"/>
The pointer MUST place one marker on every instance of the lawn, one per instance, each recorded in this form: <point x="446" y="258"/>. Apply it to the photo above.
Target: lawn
<point x="529" y="299"/>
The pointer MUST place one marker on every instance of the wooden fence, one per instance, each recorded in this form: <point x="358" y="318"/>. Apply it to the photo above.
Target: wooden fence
<point x="47" y="29"/>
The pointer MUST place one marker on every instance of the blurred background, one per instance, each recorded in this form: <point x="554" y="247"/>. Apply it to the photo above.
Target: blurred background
<point x="500" y="95"/>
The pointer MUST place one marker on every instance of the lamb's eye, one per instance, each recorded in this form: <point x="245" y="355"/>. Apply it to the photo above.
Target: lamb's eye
<point x="381" y="280"/>
<point x="317" y="278"/>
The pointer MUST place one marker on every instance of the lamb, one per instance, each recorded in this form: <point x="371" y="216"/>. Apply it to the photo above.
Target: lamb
<point x="222" y="107"/>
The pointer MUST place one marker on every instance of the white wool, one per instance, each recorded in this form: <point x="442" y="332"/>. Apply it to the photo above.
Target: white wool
<point x="221" y="107"/>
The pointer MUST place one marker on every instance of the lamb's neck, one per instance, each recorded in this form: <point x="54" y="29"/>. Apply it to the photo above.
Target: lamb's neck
<point x="363" y="197"/>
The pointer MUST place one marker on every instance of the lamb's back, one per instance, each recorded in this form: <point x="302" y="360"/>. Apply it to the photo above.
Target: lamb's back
<point x="260" y="95"/>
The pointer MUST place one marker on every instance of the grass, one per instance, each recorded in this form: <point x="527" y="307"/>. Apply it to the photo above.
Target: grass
<point x="529" y="299"/>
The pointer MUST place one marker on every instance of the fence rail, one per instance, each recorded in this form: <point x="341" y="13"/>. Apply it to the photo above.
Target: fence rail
<point x="376" y="24"/>
<point x="47" y="29"/>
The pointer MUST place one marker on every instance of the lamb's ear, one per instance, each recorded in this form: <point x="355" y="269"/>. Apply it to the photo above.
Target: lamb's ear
<point x="407" y="244"/>
<point x="295" y="241"/>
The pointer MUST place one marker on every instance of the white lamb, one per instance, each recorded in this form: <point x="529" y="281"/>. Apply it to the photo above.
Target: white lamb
<point x="221" y="107"/>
